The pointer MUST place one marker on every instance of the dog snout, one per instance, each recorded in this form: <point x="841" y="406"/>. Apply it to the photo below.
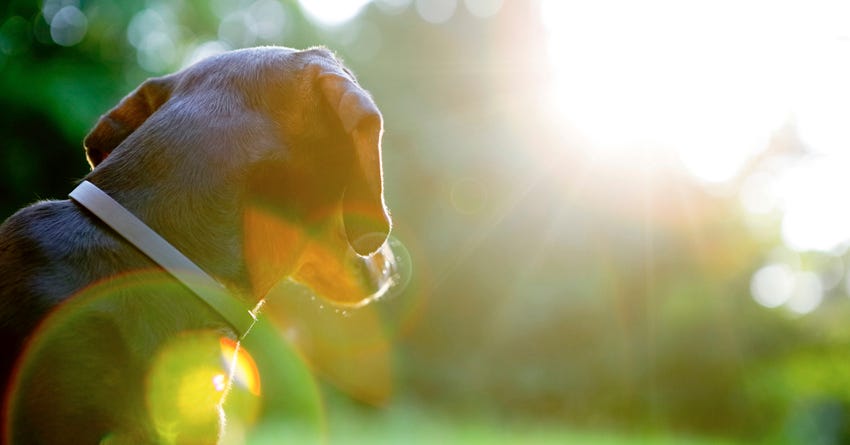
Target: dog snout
<point x="366" y="230"/>
<point x="365" y="213"/>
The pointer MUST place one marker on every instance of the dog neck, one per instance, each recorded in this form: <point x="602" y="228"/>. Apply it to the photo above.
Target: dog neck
<point x="199" y="214"/>
<point x="165" y="255"/>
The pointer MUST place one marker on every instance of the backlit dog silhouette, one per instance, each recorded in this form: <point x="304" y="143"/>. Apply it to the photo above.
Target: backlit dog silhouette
<point x="257" y="165"/>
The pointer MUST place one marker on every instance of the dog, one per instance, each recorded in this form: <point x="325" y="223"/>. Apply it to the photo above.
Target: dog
<point x="257" y="165"/>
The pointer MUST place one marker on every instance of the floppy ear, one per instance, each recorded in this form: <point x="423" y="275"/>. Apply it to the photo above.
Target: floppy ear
<point x="367" y="222"/>
<point x="125" y="118"/>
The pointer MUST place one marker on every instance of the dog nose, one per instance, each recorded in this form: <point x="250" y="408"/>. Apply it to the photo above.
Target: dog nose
<point x="371" y="241"/>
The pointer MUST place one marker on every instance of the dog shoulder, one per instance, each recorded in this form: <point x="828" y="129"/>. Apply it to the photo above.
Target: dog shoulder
<point x="46" y="255"/>
<point x="24" y="263"/>
<point x="26" y="242"/>
<point x="22" y="237"/>
<point x="38" y="235"/>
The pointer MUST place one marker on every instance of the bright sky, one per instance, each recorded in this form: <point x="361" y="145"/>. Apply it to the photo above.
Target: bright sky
<point x="710" y="82"/>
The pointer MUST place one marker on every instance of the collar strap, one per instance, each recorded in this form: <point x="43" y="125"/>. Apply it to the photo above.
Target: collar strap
<point x="167" y="256"/>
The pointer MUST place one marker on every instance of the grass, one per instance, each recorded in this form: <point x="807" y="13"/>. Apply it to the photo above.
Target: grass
<point x="409" y="425"/>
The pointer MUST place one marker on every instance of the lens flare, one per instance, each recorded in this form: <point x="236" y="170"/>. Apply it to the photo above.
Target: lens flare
<point x="185" y="387"/>
<point x="220" y="382"/>
<point x="241" y="363"/>
<point x="114" y="350"/>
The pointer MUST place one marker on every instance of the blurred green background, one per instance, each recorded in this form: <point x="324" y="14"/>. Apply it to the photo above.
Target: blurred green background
<point x="627" y="220"/>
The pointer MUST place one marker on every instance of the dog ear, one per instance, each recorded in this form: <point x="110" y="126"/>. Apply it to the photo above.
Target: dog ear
<point x="367" y="222"/>
<point x="125" y="118"/>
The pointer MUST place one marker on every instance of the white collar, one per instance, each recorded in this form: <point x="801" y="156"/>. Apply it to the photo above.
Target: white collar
<point x="167" y="256"/>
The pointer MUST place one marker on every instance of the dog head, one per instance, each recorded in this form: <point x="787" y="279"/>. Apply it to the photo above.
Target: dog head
<point x="287" y="140"/>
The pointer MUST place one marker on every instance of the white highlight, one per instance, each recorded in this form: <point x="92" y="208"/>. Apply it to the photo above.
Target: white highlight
<point x="816" y="214"/>
<point x="808" y="293"/>
<point x="332" y="12"/>
<point x="68" y="26"/>
<point x="710" y="81"/>
<point x="772" y="285"/>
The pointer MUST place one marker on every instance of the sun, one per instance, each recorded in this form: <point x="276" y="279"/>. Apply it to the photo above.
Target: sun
<point x="709" y="84"/>
<point x="692" y="79"/>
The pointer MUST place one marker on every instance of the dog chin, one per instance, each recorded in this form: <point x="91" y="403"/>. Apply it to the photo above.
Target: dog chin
<point x="352" y="280"/>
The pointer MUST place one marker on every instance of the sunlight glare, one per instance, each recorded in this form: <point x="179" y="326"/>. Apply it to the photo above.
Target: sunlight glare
<point x="332" y="12"/>
<point x="758" y="193"/>
<point x="822" y="108"/>
<point x="661" y="74"/>
<point x="814" y="193"/>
